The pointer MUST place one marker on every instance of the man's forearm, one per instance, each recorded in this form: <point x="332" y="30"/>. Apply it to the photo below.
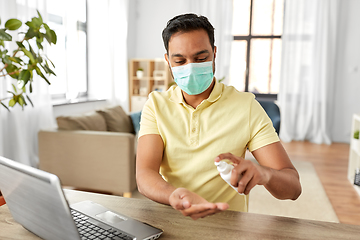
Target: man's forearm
<point x="153" y="186"/>
<point x="284" y="184"/>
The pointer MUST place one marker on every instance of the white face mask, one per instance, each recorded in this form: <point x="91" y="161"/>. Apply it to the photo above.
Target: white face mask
<point x="194" y="78"/>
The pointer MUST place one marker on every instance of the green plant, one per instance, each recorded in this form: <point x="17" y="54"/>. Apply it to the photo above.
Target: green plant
<point x="140" y="69"/>
<point x="25" y="60"/>
<point x="221" y="79"/>
<point x="356" y="134"/>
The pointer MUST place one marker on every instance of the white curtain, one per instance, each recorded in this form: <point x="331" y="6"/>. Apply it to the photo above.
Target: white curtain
<point x="307" y="75"/>
<point x="219" y="14"/>
<point x="19" y="128"/>
<point x="107" y="38"/>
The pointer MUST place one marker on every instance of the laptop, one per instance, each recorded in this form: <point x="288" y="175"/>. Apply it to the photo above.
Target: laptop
<point x="36" y="201"/>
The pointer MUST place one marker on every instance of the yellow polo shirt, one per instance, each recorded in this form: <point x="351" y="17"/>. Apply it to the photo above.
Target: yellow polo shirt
<point x="228" y="121"/>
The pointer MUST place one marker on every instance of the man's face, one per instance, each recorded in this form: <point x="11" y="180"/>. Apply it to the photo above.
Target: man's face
<point x="190" y="47"/>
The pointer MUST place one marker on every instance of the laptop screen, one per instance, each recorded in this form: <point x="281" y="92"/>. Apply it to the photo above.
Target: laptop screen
<point x="36" y="200"/>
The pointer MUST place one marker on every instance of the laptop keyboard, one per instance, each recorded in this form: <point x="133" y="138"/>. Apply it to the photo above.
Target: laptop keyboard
<point x="96" y="230"/>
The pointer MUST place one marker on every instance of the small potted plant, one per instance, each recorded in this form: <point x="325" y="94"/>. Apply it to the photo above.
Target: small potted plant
<point x="356" y="134"/>
<point x="139" y="73"/>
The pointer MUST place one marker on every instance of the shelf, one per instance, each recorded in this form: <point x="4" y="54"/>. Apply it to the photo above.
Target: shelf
<point x="355" y="145"/>
<point x="156" y="76"/>
<point x="141" y="79"/>
<point x="354" y="155"/>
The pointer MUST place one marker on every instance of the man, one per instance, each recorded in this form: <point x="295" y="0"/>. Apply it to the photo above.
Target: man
<point x="201" y="121"/>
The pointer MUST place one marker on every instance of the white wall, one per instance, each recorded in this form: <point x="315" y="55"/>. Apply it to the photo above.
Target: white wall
<point x="147" y="20"/>
<point x="347" y="87"/>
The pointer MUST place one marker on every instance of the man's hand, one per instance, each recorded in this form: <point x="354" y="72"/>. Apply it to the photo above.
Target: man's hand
<point x="194" y="206"/>
<point x="275" y="172"/>
<point x="245" y="174"/>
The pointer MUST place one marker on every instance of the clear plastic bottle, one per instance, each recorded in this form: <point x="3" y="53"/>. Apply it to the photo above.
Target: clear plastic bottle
<point x="225" y="172"/>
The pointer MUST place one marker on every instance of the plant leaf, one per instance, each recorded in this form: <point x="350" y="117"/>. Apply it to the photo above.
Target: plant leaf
<point x="37" y="22"/>
<point x="5" y="106"/>
<point x="38" y="71"/>
<point x="7" y="60"/>
<point x="30" y="24"/>
<point x="11" y="102"/>
<point x="15" y="90"/>
<point x="21" y="101"/>
<point x="29" y="100"/>
<point x="53" y="37"/>
<point x="20" y="45"/>
<point x="40" y="16"/>
<point x="30" y="33"/>
<point x="13" y="24"/>
<point x="50" y="62"/>
<point x="5" y="36"/>
<point x="16" y="59"/>
<point x="24" y="75"/>
<point x="12" y="68"/>
<point x="29" y="55"/>
<point x="11" y="93"/>
<point x="48" y="70"/>
<point x="38" y="43"/>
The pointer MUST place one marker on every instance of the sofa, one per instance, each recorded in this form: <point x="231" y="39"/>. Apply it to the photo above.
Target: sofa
<point x="94" y="151"/>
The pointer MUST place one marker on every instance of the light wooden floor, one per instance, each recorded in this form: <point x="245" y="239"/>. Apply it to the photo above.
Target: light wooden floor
<point x="331" y="165"/>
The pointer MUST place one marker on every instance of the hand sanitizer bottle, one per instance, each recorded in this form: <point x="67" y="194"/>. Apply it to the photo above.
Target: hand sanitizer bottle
<point x="225" y="172"/>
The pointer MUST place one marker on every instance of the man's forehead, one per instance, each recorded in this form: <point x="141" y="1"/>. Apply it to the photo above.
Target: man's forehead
<point x="189" y="43"/>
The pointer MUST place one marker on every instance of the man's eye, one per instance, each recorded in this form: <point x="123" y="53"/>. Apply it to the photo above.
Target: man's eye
<point x="179" y="62"/>
<point x="202" y="59"/>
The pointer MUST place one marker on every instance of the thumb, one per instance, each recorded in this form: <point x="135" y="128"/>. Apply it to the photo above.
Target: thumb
<point x="179" y="200"/>
<point x="186" y="203"/>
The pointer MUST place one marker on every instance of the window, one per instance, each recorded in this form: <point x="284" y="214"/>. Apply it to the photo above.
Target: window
<point x="70" y="53"/>
<point x="256" y="48"/>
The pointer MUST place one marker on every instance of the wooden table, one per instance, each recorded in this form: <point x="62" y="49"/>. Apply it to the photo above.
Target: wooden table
<point x="225" y="225"/>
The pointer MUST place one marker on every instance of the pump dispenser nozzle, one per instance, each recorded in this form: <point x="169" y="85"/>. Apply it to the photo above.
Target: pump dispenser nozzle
<point x="223" y="167"/>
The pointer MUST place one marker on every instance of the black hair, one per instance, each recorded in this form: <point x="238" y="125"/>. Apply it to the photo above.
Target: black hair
<point x="185" y="23"/>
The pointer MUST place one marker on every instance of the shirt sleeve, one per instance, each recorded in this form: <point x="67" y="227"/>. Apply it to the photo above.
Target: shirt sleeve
<point x="148" y="122"/>
<point x="262" y="132"/>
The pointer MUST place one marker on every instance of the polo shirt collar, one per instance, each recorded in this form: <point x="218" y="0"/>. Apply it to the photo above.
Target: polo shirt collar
<point x="215" y="94"/>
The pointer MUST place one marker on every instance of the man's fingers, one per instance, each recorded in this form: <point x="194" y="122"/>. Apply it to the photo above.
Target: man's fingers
<point x="197" y="211"/>
<point x="222" y="206"/>
<point x="198" y="208"/>
<point x="204" y="214"/>
<point x="250" y="186"/>
<point x="242" y="182"/>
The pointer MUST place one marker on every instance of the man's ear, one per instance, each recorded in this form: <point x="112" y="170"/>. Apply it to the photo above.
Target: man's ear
<point x="167" y="58"/>
<point x="215" y="49"/>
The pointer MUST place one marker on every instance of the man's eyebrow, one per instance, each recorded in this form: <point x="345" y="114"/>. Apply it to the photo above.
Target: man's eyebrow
<point x="176" y="55"/>
<point x="196" y="54"/>
<point x="201" y="52"/>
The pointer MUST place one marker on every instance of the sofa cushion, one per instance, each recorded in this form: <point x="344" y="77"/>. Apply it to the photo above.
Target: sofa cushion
<point x="90" y="121"/>
<point x="117" y="120"/>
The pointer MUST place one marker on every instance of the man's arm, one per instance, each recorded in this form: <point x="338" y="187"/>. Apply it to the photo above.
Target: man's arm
<point x="275" y="172"/>
<point x="148" y="159"/>
<point x="149" y="156"/>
